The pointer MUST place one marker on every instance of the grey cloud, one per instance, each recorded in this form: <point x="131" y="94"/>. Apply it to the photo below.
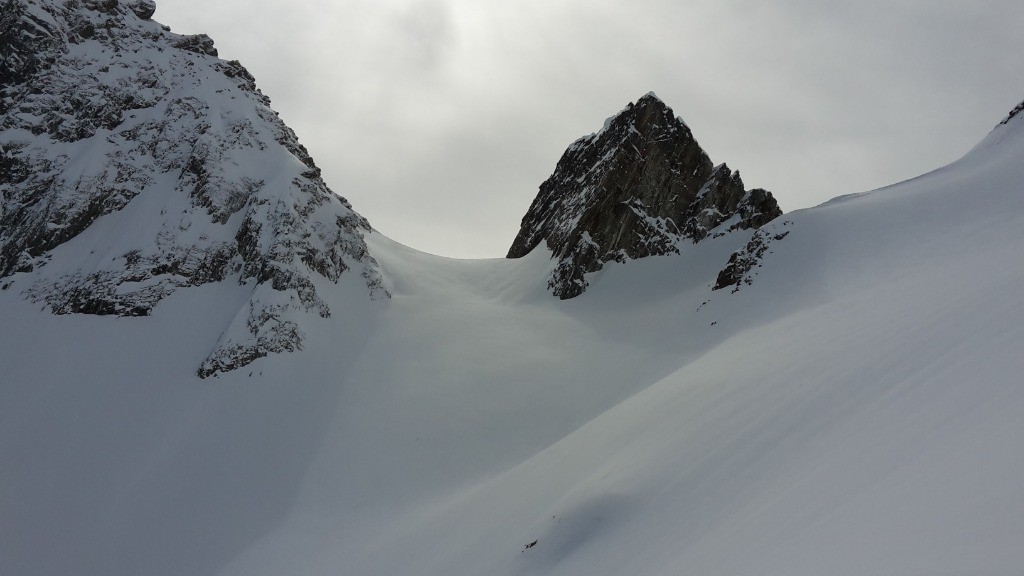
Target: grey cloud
<point x="428" y="32"/>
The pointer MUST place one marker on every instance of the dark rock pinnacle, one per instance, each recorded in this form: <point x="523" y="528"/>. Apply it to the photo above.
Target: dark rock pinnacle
<point x="637" y="188"/>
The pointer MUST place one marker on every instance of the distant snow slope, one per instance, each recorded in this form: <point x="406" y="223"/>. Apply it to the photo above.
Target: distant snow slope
<point x="856" y="408"/>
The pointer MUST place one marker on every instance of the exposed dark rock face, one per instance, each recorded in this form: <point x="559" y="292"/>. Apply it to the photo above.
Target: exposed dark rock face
<point x="742" y="264"/>
<point x="102" y="109"/>
<point x="639" y="187"/>
<point x="27" y="46"/>
<point x="103" y="6"/>
<point x="1017" y="110"/>
<point x="198" y="43"/>
<point x="144" y="8"/>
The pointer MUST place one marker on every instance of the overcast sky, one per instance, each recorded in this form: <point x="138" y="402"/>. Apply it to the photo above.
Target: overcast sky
<point x="439" y="119"/>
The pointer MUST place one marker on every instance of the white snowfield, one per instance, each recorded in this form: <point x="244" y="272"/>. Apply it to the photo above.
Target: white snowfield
<point x="857" y="409"/>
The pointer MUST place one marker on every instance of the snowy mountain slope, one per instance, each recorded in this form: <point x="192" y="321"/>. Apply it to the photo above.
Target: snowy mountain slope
<point x="856" y="408"/>
<point x="874" y="428"/>
<point x="848" y="402"/>
<point x="135" y="163"/>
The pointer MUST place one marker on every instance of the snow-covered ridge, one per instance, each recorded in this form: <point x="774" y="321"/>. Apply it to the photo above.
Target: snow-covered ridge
<point x="640" y="186"/>
<point x="136" y="163"/>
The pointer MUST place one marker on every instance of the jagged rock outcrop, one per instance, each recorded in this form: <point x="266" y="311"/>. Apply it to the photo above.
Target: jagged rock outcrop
<point x="1016" y="110"/>
<point x="743" y="264"/>
<point x="639" y="187"/>
<point x="110" y="120"/>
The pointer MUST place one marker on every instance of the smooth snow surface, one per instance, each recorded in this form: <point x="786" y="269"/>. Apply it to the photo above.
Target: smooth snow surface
<point x="857" y="409"/>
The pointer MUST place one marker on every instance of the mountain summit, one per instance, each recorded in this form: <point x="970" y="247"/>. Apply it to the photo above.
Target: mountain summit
<point x="135" y="163"/>
<point x="638" y="187"/>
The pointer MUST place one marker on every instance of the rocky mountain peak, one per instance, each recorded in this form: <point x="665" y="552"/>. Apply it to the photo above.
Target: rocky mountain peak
<point x="177" y="167"/>
<point x="641" y="186"/>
